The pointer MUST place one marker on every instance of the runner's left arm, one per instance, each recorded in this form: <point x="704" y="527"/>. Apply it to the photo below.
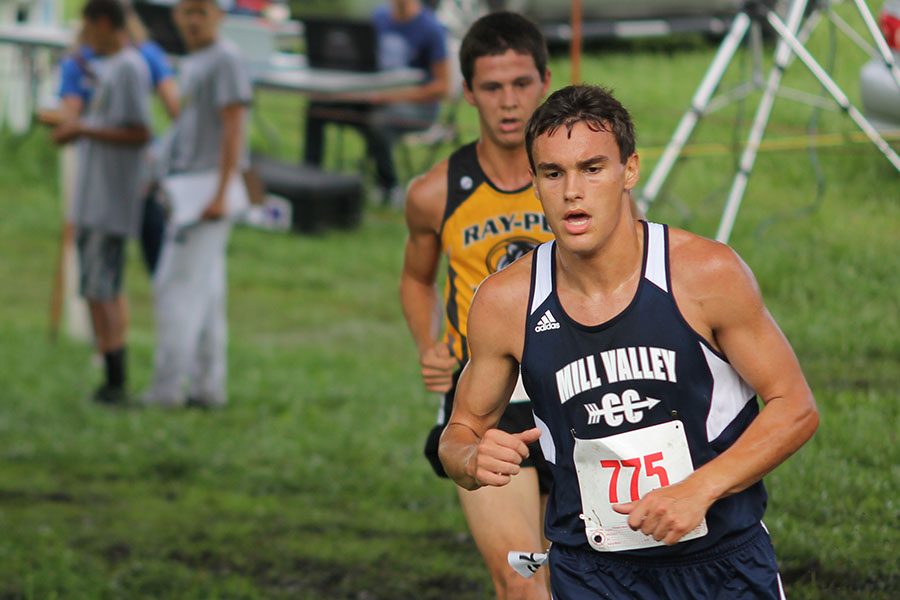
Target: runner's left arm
<point x="746" y="333"/>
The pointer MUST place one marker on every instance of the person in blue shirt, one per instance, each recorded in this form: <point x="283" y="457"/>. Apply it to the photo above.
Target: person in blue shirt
<point x="78" y="77"/>
<point x="409" y="35"/>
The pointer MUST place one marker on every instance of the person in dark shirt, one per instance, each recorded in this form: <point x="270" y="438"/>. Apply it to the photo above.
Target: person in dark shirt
<point x="409" y="35"/>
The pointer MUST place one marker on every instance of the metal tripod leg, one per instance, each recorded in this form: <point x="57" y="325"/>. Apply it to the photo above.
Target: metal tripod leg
<point x="886" y="55"/>
<point x="839" y="97"/>
<point x="699" y="103"/>
<point x="787" y="38"/>
<point x="760" y="120"/>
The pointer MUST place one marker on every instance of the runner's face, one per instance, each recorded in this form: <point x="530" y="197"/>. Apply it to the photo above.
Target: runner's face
<point x="198" y="22"/>
<point x="506" y="90"/>
<point x="582" y="185"/>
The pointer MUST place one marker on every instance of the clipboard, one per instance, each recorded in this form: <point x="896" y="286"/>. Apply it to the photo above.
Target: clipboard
<point x="188" y="194"/>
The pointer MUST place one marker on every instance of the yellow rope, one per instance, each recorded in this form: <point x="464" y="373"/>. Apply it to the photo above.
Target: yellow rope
<point x="774" y="145"/>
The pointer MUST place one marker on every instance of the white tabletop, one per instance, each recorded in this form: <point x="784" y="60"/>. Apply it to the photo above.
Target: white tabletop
<point x="324" y="81"/>
<point x="281" y="73"/>
<point x="26" y="34"/>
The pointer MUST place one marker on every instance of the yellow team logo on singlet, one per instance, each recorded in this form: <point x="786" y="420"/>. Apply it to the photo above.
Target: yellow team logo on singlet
<point x="509" y="251"/>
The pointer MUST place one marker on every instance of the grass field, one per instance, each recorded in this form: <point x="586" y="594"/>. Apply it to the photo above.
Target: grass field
<point x="311" y="484"/>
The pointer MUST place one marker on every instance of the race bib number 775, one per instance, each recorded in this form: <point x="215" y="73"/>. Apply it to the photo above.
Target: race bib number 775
<point x="623" y="468"/>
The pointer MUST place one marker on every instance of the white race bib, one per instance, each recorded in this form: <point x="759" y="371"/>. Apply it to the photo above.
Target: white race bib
<point x="623" y="468"/>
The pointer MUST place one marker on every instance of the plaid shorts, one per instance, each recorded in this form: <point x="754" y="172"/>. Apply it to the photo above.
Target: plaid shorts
<point x="101" y="258"/>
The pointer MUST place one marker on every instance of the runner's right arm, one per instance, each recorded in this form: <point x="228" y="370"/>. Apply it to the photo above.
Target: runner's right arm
<point x="419" y="297"/>
<point x="473" y="451"/>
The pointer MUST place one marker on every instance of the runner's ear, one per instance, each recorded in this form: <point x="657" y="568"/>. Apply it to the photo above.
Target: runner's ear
<point x="632" y="171"/>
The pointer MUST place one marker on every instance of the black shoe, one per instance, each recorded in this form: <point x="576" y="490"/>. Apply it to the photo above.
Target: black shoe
<point x="204" y="402"/>
<point x="112" y="396"/>
<point x="198" y="403"/>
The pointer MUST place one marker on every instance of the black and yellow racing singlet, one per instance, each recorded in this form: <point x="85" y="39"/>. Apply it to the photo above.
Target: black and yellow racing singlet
<point x="484" y="230"/>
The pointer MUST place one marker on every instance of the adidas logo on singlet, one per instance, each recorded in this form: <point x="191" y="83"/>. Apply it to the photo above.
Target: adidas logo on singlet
<point x="546" y="323"/>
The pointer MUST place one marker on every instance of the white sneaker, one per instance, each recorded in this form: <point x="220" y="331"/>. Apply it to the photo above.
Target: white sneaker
<point x="394" y="197"/>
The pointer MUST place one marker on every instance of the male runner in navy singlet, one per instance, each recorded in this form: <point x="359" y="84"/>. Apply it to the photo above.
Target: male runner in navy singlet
<point x="643" y="349"/>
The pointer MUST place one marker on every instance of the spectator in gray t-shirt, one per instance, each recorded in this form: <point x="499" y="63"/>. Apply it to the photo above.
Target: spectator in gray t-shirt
<point x="189" y="286"/>
<point x="211" y="79"/>
<point x="111" y="136"/>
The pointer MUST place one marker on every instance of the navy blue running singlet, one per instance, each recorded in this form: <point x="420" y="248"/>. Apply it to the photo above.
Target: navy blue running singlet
<point x="630" y="405"/>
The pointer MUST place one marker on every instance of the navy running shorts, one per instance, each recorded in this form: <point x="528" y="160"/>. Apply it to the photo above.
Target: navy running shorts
<point x="740" y="568"/>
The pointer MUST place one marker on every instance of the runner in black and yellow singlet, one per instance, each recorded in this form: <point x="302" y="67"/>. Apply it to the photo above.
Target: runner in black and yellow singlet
<point x="484" y="229"/>
<point x="478" y="210"/>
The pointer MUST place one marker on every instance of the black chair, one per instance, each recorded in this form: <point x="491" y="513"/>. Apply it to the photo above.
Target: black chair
<point x="319" y="199"/>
